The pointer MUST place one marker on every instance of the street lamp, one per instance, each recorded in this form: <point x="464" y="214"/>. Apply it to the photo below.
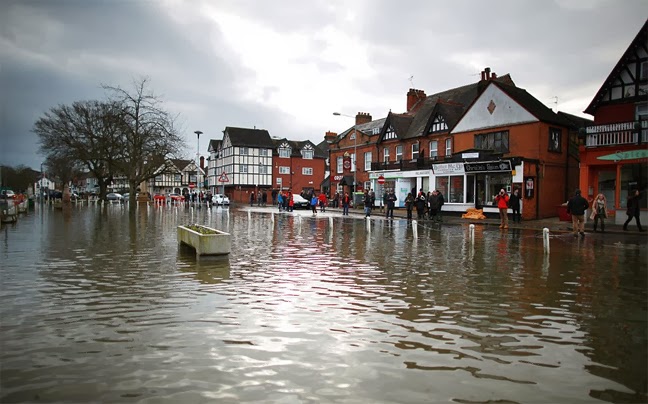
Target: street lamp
<point x="355" y="151"/>
<point x="198" y="133"/>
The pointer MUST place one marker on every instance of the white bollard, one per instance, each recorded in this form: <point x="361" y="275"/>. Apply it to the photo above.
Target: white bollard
<point x="331" y="221"/>
<point x="368" y="220"/>
<point x="415" y="228"/>
<point x="471" y="231"/>
<point x="272" y="217"/>
<point x="545" y="240"/>
<point x="249" y="215"/>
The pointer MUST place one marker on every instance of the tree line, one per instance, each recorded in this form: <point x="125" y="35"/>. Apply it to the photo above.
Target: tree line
<point x="128" y="134"/>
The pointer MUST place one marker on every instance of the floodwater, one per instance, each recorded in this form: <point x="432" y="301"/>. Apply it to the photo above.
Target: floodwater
<point x="97" y="305"/>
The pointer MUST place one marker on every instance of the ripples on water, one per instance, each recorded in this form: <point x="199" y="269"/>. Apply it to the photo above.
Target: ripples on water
<point x="97" y="307"/>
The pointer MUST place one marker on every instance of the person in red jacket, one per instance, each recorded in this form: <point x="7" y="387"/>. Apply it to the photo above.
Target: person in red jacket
<point x="322" y="201"/>
<point x="502" y="204"/>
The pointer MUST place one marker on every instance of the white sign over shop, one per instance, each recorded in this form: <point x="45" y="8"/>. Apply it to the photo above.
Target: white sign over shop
<point x="448" y="168"/>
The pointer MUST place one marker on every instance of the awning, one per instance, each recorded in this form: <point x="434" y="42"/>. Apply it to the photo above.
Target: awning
<point x="326" y="183"/>
<point x="625" y="155"/>
<point x="347" y="180"/>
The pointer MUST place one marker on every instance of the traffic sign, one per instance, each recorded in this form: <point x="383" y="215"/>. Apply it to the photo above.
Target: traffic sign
<point x="381" y="180"/>
<point x="223" y="177"/>
<point x="191" y="185"/>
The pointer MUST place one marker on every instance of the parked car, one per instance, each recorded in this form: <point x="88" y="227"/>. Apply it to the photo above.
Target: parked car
<point x="114" y="197"/>
<point x="220" y="199"/>
<point x="176" y="197"/>
<point x="300" y="203"/>
<point x="159" y="198"/>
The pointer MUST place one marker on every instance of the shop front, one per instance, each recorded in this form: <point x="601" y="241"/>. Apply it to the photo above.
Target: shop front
<point x="401" y="182"/>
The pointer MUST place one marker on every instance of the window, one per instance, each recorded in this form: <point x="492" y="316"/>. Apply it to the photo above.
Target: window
<point x="367" y="185"/>
<point x="284" y="152"/>
<point x="375" y="131"/>
<point x="263" y="152"/>
<point x="307" y="171"/>
<point x="367" y="161"/>
<point x="340" y="168"/>
<point x="308" y="154"/>
<point x="399" y="152"/>
<point x="415" y="151"/>
<point x="353" y="162"/>
<point x="386" y="155"/>
<point x="448" y="148"/>
<point x="452" y="188"/>
<point x="390" y="133"/>
<point x="284" y="170"/>
<point x="438" y="125"/>
<point x="178" y="177"/>
<point x="496" y="141"/>
<point x="643" y="71"/>
<point x="555" y="140"/>
<point x="263" y="169"/>
<point x="244" y="168"/>
<point x="244" y="151"/>
<point x="434" y="149"/>
<point x="158" y="178"/>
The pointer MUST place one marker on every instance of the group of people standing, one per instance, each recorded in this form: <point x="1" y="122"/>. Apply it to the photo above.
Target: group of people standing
<point x="427" y="205"/>
<point x="261" y="198"/>
<point x="577" y="206"/>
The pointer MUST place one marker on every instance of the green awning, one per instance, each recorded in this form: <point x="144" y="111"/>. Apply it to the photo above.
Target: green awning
<point x="626" y="155"/>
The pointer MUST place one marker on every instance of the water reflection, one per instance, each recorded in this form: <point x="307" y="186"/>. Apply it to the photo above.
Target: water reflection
<point x="102" y="305"/>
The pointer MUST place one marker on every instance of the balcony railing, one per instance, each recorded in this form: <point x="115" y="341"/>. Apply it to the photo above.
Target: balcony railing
<point x="406" y="165"/>
<point x="619" y="133"/>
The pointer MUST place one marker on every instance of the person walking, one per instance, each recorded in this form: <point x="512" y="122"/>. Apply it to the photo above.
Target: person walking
<point x="514" y="204"/>
<point x="291" y="202"/>
<point x="409" y="205"/>
<point x="599" y="211"/>
<point x="251" y="198"/>
<point x="634" y="209"/>
<point x="432" y="204"/>
<point x="420" y="205"/>
<point x="391" y="202"/>
<point x="313" y="202"/>
<point x="274" y="195"/>
<point x="367" y="204"/>
<point x="280" y="200"/>
<point x="322" y="201"/>
<point x="577" y="206"/>
<point x="345" y="204"/>
<point x="502" y="200"/>
<point x="435" y="205"/>
<point x="264" y="198"/>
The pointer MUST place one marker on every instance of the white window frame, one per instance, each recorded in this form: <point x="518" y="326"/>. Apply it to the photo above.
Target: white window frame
<point x="386" y="155"/>
<point x="415" y="151"/>
<point x="307" y="170"/>
<point x="308" y="154"/>
<point x="284" y="152"/>
<point x="340" y="167"/>
<point x="244" y="151"/>
<point x="284" y="170"/>
<point x="263" y="169"/>
<point x="263" y="152"/>
<point x="244" y="169"/>
<point x="353" y="162"/>
<point x="448" y="147"/>
<point x="399" y="152"/>
<point x="434" y="149"/>
<point x="367" y="161"/>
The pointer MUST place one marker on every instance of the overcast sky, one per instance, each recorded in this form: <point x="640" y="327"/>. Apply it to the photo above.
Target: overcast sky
<point x="286" y="66"/>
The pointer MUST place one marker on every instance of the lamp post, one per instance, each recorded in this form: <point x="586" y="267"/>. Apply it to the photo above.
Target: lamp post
<point x="198" y="133"/>
<point x="40" y="188"/>
<point x="355" y="151"/>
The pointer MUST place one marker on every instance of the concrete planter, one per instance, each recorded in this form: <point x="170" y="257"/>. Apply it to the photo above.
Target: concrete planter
<point x="216" y="243"/>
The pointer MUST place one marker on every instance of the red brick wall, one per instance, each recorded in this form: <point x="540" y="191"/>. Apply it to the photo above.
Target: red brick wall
<point x="615" y="113"/>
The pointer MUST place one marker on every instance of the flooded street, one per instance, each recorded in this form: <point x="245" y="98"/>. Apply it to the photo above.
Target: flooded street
<point x="97" y="305"/>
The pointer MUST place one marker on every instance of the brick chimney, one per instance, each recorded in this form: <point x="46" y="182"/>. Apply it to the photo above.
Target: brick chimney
<point x="362" y="117"/>
<point x="414" y="99"/>
<point x="487" y="75"/>
<point x="329" y="137"/>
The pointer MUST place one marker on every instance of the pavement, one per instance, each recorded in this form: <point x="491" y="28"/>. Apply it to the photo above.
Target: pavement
<point x="452" y="218"/>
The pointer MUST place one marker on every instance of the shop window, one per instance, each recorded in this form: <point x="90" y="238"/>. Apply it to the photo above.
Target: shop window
<point x="451" y="187"/>
<point x="633" y="176"/>
<point x="555" y="140"/>
<point x="495" y="141"/>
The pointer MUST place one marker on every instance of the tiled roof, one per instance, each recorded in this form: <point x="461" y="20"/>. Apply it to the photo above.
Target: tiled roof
<point x="249" y="137"/>
<point x="577" y="122"/>
<point x="366" y="128"/>
<point x="214" y="144"/>
<point x="180" y="163"/>
<point x="454" y="102"/>
<point x="296" y="147"/>
<point x="400" y="122"/>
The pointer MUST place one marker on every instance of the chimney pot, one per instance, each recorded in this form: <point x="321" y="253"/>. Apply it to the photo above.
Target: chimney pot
<point x="493" y="76"/>
<point x="487" y="71"/>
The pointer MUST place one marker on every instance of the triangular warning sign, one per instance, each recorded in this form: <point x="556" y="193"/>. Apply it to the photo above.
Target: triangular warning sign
<point x="223" y="177"/>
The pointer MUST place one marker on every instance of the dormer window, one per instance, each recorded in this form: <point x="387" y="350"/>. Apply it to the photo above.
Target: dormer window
<point x="285" y="150"/>
<point x="390" y="133"/>
<point x="307" y="152"/>
<point x="438" y="125"/>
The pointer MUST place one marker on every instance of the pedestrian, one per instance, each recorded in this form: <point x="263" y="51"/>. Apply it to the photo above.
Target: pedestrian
<point x="280" y="200"/>
<point x="251" y="198"/>
<point x="383" y="201"/>
<point x="436" y="203"/>
<point x="391" y="202"/>
<point x="420" y="205"/>
<point x="345" y="204"/>
<point x="599" y="211"/>
<point x="367" y="204"/>
<point x="577" y="206"/>
<point x="372" y="195"/>
<point x="291" y="202"/>
<point x="322" y="202"/>
<point x="313" y="202"/>
<point x="432" y="204"/>
<point x="502" y="200"/>
<point x="409" y="205"/>
<point x="264" y="198"/>
<point x="514" y="203"/>
<point x="336" y="200"/>
<point x="427" y="205"/>
<point x="634" y="209"/>
<point x="274" y="195"/>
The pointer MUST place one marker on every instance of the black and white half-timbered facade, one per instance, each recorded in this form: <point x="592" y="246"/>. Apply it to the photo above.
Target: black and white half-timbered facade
<point x="243" y="162"/>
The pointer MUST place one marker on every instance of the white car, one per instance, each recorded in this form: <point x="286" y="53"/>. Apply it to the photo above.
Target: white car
<point x="220" y="199"/>
<point x="300" y="203"/>
<point x="114" y="197"/>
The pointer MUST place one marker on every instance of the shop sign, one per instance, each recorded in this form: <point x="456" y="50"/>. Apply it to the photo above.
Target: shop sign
<point x="626" y="155"/>
<point x="448" y="168"/>
<point x="474" y="155"/>
<point x="338" y="178"/>
<point x="488" y="166"/>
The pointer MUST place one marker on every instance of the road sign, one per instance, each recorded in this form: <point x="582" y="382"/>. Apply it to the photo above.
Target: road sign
<point x="191" y="185"/>
<point x="223" y="177"/>
<point x="381" y="180"/>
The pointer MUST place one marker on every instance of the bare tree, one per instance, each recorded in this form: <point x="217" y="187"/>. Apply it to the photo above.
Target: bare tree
<point x="85" y="133"/>
<point x="149" y="138"/>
